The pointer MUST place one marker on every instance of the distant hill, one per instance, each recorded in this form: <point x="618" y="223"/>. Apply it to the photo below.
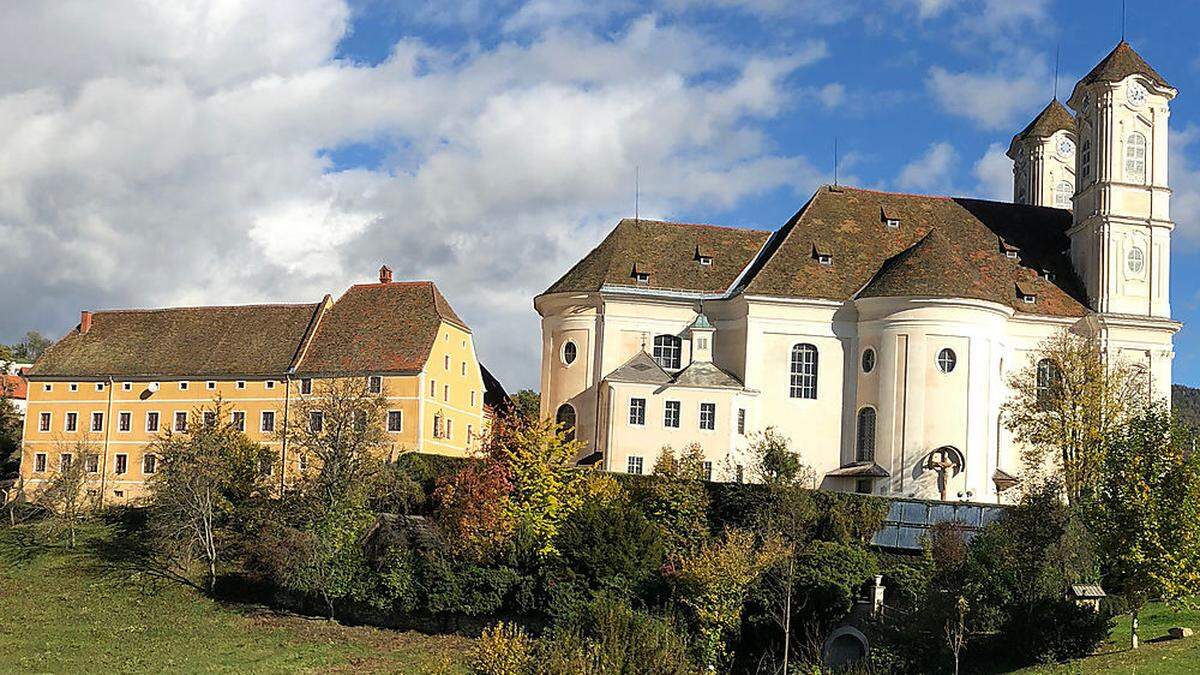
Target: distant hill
<point x="1185" y="403"/>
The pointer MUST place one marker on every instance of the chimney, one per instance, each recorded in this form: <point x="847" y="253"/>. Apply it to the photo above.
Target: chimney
<point x="85" y="322"/>
<point x="385" y="275"/>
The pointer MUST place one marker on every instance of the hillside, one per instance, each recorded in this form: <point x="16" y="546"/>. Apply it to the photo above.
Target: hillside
<point x="1185" y="402"/>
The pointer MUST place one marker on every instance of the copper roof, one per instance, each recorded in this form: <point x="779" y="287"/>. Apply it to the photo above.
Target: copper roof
<point x="1120" y="63"/>
<point x="668" y="251"/>
<point x="186" y="341"/>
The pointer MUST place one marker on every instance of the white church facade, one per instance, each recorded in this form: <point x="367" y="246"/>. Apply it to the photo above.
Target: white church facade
<point x="875" y="330"/>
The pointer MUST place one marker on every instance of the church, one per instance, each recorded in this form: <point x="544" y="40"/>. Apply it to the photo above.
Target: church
<point x="877" y="330"/>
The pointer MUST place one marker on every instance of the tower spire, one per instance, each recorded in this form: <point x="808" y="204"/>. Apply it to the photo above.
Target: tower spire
<point x="1057" y="54"/>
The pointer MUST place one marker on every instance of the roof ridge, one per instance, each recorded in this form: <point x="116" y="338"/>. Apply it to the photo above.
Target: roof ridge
<point x="714" y="226"/>
<point x="150" y="310"/>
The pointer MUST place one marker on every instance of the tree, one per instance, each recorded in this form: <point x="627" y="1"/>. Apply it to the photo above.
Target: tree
<point x="610" y="545"/>
<point x="66" y="496"/>
<point x="1146" y="513"/>
<point x="207" y="472"/>
<point x="676" y="501"/>
<point x="339" y="428"/>
<point x="10" y="431"/>
<point x="30" y="347"/>
<point x="1066" y="402"/>
<point x="527" y="404"/>
<point x="473" y="508"/>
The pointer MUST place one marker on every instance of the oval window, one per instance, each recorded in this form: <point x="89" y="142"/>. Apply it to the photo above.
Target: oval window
<point x="868" y="360"/>
<point x="946" y="360"/>
<point x="569" y="352"/>
<point x="1135" y="260"/>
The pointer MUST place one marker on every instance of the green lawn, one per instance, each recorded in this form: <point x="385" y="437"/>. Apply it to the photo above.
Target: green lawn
<point x="1156" y="656"/>
<point x="64" y="611"/>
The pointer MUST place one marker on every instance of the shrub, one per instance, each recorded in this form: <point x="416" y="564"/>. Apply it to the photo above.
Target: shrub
<point x="675" y="500"/>
<point x="503" y="649"/>
<point x="610" y="545"/>
<point x="609" y="637"/>
<point x="465" y="588"/>
<point x="1056" y="629"/>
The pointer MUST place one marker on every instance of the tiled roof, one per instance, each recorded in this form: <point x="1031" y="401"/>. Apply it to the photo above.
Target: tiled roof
<point x="669" y="252"/>
<point x="385" y="328"/>
<point x="642" y="369"/>
<point x="189" y="341"/>
<point x="1120" y="63"/>
<point x="13" y="386"/>
<point x="1053" y="118"/>
<point x="964" y="258"/>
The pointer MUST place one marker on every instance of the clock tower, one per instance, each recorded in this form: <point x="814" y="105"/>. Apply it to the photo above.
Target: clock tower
<point x="1043" y="156"/>
<point x="1121" y="228"/>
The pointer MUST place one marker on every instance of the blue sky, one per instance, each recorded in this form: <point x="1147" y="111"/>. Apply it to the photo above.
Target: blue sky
<point x="276" y="151"/>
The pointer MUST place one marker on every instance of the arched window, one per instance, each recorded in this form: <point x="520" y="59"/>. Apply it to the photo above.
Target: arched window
<point x="1085" y="159"/>
<point x="1135" y="158"/>
<point x="804" y="371"/>
<point x="668" y="350"/>
<point x="1049" y="379"/>
<point x="865" y="449"/>
<point x="565" y="418"/>
<point x="1062" y="194"/>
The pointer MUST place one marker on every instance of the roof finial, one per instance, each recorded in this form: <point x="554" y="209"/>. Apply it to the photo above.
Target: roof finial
<point x="1057" y="53"/>
<point x="1123" y="20"/>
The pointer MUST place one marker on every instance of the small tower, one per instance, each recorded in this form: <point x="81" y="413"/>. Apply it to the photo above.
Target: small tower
<point x="1121" y="230"/>
<point x="1043" y="156"/>
<point x="701" y="332"/>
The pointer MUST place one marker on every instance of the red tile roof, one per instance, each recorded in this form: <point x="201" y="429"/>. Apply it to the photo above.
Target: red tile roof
<point x="14" y="386"/>
<point x="379" y="328"/>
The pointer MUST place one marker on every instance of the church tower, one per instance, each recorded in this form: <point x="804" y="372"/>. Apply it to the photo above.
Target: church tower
<point x="1043" y="156"/>
<point x="1121" y="229"/>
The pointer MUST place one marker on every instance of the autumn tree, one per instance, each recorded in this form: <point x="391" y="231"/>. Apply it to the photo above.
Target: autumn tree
<point x="474" y="510"/>
<point x="339" y="429"/>
<point x="69" y="493"/>
<point x="1066" y="402"/>
<point x="205" y="474"/>
<point x="675" y="499"/>
<point x="1146" y="513"/>
<point x="527" y="404"/>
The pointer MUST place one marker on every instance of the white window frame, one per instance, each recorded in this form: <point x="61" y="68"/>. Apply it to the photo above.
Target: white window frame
<point x="635" y="465"/>
<point x="240" y="384"/>
<point x="804" y="372"/>
<point x="473" y="398"/>
<point x="71" y="421"/>
<point x="233" y="419"/>
<point x="638" y="405"/>
<point x="99" y="386"/>
<point x="209" y="418"/>
<point x="74" y="386"/>
<point x="175" y="426"/>
<point x="123" y="415"/>
<point x="157" y="417"/>
<point x="127" y="386"/>
<point x="946" y="364"/>
<point x="47" y="387"/>
<point x="262" y="421"/>
<point x="183" y="385"/>
<point x="678" y="410"/>
<point x="388" y="421"/>
<point x="375" y="384"/>
<point x="1137" y="152"/>
<point x="154" y="458"/>
<point x="92" y="426"/>
<point x="741" y="421"/>
<point x="210" y="385"/>
<point x="119" y="459"/>
<point x="45" y="421"/>
<point x="669" y="354"/>
<point x="269" y="384"/>
<point x="711" y="413"/>
<point x="40" y="462"/>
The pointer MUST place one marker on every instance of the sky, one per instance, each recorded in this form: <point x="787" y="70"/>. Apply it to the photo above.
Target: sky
<point x="218" y="151"/>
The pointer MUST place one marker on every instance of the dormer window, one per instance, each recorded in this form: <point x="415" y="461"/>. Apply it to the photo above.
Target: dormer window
<point x="641" y="274"/>
<point x="704" y="256"/>
<point x="705" y="260"/>
<point x="1048" y="275"/>
<point x="1010" y="251"/>
<point x="890" y="219"/>
<point x="1027" y="293"/>
<point x="822" y="255"/>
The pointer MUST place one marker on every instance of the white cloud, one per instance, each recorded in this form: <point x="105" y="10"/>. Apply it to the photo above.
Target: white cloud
<point x="170" y="154"/>
<point x="994" y="100"/>
<point x="932" y="171"/>
<point x="832" y="95"/>
<point x="1185" y="185"/>
<point x="994" y="171"/>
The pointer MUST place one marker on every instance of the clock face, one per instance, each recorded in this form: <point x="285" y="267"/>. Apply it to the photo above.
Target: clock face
<point x="1136" y="93"/>
<point x="1065" y="147"/>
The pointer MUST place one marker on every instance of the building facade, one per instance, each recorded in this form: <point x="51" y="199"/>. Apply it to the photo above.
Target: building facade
<point x="122" y="378"/>
<point x="877" y="331"/>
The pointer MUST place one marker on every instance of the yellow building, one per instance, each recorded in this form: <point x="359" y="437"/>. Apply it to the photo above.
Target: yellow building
<point x="122" y="377"/>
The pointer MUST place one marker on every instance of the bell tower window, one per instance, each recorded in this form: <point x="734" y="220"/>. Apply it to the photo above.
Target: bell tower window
<point x="1085" y="159"/>
<point x="1062" y="194"/>
<point x="1135" y="158"/>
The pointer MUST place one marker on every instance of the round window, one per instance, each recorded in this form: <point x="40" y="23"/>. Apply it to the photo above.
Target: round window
<point x="569" y="352"/>
<point x="946" y="360"/>
<point x="1135" y="261"/>
<point x="868" y="360"/>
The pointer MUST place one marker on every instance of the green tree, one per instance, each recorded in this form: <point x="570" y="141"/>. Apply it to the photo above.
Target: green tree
<point x="1066" y="402"/>
<point x="676" y="501"/>
<point x="65" y="495"/>
<point x="527" y="404"/>
<point x="30" y="347"/>
<point x="1146" y="513"/>
<point x="206" y="474"/>
<point x="10" y="433"/>
<point x="610" y="545"/>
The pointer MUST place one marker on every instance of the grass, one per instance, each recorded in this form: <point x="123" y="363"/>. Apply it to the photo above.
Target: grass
<point x="1158" y="655"/>
<point x="70" y="611"/>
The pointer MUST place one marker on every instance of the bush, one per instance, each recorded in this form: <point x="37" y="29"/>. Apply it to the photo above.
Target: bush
<point x="609" y="637"/>
<point x="675" y="500"/>
<point x="466" y="589"/>
<point x="609" y="544"/>
<point x="1056" y="629"/>
<point x="503" y="649"/>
